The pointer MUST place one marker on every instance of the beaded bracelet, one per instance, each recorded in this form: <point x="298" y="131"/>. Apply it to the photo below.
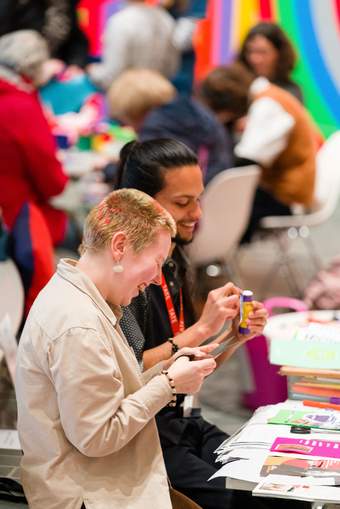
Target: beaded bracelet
<point x="173" y="388"/>
<point x="174" y="346"/>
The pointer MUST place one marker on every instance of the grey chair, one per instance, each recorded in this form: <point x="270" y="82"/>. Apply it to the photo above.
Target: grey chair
<point x="226" y="205"/>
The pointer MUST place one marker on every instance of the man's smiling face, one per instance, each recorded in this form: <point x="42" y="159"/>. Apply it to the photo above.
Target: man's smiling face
<point x="183" y="187"/>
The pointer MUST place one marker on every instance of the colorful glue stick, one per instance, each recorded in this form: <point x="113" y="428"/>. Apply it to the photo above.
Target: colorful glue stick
<point x="246" y="306"/>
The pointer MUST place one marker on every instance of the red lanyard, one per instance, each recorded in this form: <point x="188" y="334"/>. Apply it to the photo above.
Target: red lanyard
<point x="177" y="325"/>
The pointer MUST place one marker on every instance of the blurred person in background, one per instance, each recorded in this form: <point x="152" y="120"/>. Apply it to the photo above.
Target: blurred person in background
<point x="30" y="173"/>
<point x="162" y="319"/>
<point x="187" y="13"/>
<point x="140" y="36"/>
<point x="56" y="21"/>
<point x="267" y="52"/>
<point x="279" y="135"/>
<point x="30" y="170"/>
<point x="85" y="410"/>
<point x="149" y="103"/>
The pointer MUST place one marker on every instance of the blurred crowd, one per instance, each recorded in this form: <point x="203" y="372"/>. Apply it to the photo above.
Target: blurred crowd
<point x="238" y="114"/>
<point x="247" y="112"/>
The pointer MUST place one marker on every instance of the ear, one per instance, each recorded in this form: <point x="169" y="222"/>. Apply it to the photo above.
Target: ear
<point x="118" y="245"/>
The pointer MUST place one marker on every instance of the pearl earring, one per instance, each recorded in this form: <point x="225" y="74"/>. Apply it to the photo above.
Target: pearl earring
<point x="118" y="268"/>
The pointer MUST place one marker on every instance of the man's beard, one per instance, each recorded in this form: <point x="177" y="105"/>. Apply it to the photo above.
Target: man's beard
<point x="180" y="241"/>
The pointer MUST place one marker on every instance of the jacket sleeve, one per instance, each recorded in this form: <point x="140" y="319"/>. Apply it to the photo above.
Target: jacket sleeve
<point x="153" y="371"/>
<point x="97" y="416"/>
<point x="38" y="150"/>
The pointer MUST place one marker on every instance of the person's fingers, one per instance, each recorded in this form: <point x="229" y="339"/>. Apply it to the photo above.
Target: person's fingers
<point x="225" y="290"/>
<point x="259" y="321"/>
<point x="258" y="306"/>
<point x="230" y="301"/>
<point x="257" y="327"/>
<point x="206" y="366"/>
<point x="259" y="313"/>
<point x="185" y="350"/>
<point x="255" y="331"/>
<point x="231" y="289"/>
<point x="182" y="359"/>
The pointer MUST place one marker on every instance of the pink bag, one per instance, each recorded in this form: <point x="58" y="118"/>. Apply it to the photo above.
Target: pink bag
<point x="268" y="386"/>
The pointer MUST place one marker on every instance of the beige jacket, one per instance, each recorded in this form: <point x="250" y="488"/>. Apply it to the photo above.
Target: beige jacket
<point x="85" y="412"/>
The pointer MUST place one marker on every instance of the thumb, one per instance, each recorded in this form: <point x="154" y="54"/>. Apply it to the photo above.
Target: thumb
<point x="205" y="363"/>
<point x="209" y="348"/>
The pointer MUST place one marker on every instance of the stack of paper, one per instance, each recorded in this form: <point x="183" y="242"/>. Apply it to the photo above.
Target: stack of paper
<point x="267" y="454"/>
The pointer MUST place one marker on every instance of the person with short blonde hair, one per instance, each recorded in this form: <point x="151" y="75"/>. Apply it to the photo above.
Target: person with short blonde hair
<point x="136" y="92"/>
<point x="85" y="410"/>
<point x="114" y="213"/>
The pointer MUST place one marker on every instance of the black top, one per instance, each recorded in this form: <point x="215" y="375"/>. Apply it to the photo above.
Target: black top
<point x="147" y="315"/>
<point x="150" y="311"/>
<point x="157" y="328"/>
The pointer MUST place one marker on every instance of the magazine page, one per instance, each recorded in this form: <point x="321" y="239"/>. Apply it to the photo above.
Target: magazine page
<point x="299" y="491"/>
<point x="323" y="419"/>
<point x="320" y="469"/>
<point x="307" y="446"/>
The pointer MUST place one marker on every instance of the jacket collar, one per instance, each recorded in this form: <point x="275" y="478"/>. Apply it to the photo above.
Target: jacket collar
<point x="68" y="270"/>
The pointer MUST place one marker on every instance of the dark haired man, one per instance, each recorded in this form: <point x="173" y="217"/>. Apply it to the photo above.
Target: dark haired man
<point x="168" y="170"/>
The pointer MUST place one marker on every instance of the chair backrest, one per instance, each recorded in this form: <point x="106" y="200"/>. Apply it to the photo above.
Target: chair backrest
<point x="327" y="185"/>
<point x="12" y="294"/>
<point x="226" y="206"/>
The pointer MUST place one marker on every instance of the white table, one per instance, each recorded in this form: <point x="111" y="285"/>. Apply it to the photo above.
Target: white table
<point x="77" y="163"/>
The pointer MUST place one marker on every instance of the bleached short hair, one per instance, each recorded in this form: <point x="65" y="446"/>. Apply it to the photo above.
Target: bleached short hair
<point x="136" y="92"/>
<point x="130" y="211"/>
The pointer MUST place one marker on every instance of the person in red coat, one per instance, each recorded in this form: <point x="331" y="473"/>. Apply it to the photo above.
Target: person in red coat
<point x="29" y="171"/>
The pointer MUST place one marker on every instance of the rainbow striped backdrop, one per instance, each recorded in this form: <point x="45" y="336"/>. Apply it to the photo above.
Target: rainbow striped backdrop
<point x="312" y="25"/>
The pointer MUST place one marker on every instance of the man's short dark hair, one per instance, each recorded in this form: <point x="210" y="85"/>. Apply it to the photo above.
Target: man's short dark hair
<point x="226" y="88"/>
